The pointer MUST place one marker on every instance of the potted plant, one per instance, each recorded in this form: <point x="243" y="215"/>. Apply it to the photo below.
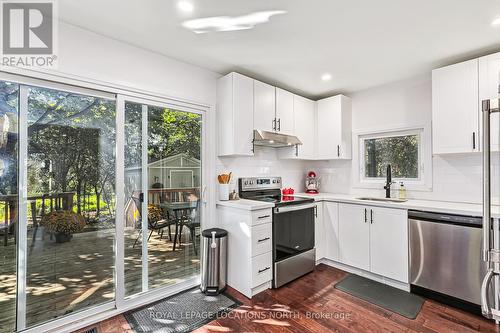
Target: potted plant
<point x="63" y="224"/>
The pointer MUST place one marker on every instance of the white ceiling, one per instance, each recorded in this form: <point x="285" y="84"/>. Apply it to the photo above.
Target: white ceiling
<point x="362" y="43"/>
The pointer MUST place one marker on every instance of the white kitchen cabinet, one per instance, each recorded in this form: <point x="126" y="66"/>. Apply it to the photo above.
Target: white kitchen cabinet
<point x="455" y="116"/>
<point x="331" y="230"/>
<point x="320" y="238"/>
<point x="374" y="239"/>
<point x="264" y="113"/>
<point x="249" y="248"/>
<point x="235" y="106"/>
<point x="284" y="112"/>
<point x="305" y="130"/>
<point x="354" y="231"/>
<point x="334" y="128"/>
<point x="489" y="81"/>
<point x="389" y="243"/>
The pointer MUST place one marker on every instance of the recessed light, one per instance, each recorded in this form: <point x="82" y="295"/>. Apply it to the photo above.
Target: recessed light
<point x="326" y="77"/>
<point x="229" y="23"/>
<point x="495" y="22"/>
<point x="185" y="6"/>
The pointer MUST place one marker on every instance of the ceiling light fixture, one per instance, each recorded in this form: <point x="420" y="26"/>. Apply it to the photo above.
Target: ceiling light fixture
<point x="495" y="22"/>
<point x="326" y="77"/>
<point x="185" y="6"/>
<point x="229" y="23"/>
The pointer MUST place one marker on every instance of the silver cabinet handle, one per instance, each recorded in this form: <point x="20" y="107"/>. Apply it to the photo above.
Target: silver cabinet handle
<point x="263" y="217"/>
<point x="365" y="216"/>
<point x="263" y="270"/>
<point x="279" y="125"/>
<point x="338" y="151"/>
<point x="474" y="140"/>
<point x="274" y="124"/>
<point x="371" y="216"/>
<point x="263" y="239"/>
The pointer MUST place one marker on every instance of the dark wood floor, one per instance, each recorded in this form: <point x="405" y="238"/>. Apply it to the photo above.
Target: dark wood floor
<point x="311" y="304"/>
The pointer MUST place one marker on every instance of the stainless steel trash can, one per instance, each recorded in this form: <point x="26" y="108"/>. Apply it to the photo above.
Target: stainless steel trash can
<point x="213" y="261"/>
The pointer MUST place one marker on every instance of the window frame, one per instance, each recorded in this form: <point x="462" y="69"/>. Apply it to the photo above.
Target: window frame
<point x="362" y="145"/>
<point x="424" y="180"/>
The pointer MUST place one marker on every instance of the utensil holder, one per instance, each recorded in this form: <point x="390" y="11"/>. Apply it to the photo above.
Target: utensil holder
<point x="223" y="192"/>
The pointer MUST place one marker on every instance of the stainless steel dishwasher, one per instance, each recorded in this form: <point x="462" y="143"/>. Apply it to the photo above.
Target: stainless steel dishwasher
<point x="445" y="258"/>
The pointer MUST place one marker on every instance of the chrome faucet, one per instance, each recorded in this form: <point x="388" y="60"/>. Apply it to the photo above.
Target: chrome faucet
<point x="388" y="182"/>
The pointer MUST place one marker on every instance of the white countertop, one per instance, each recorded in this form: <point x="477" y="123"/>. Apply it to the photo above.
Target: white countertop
<point x="423" y="205"/>
<point x="245" y="204"/>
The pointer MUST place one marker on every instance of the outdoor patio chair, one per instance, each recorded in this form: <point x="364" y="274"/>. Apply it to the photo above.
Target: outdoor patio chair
<point x="154" y="224"/>
<point x="190" y="218"/>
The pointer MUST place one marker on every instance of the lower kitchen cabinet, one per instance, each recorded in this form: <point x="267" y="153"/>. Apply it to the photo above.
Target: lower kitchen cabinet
<point x="249" y="249"/>
<point x="320" y="238"/>
<point x="354" y="232"/>
<point x="389" y="243"/>
<point x="374" y="239"/>
<point x="331" y="230"/>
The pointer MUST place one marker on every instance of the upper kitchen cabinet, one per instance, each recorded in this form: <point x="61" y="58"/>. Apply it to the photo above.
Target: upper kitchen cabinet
<point x="284" y="112"/>
<point x="264" y="112"/>
<point x="235" y="110"/>
<point x="489" y="81"/>
<point x="305" y="130"/>
<point x="455" y="114"/>
<point x="334" y="123"/>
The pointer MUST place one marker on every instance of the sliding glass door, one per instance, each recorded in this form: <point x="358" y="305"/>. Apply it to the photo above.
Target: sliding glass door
<point x="69" y="220"/>
<point x="9" y="118"/>
<point x="70" y="159"/>
<point x="162" y="195"/>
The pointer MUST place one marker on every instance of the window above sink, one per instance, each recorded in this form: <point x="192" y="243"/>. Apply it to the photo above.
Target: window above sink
<point x="406" y="150"/>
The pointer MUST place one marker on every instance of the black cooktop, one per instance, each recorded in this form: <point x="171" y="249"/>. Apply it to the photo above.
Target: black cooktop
<point x="282" y="200"/>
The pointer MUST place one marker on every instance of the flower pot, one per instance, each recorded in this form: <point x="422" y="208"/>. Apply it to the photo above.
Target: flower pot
<point x="63" y="238"/>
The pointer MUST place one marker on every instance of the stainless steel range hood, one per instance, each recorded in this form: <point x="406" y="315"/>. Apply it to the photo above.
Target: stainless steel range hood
<point x="274" y="140"/>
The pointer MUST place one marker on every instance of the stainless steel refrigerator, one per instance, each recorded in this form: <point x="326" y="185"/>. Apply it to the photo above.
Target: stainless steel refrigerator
<point x="490" y="251"/>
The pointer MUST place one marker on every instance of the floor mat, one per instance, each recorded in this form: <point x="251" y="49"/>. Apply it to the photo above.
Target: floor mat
<point x="390" y="298"/>
<point x="182" y="312"/>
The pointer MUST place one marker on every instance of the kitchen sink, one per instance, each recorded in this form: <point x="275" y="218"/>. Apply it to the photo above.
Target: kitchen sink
<point x="382" y="199"/>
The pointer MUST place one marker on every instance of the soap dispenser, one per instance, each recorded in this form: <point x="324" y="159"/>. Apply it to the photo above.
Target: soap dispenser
<point x="402" y="191"/>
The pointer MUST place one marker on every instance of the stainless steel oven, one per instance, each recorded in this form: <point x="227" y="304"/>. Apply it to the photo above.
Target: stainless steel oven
<point x="293" y="242"/>
<point x="293" y="227"/>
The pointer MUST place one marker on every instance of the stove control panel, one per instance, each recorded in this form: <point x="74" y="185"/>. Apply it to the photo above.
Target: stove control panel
<point x="259" y="183"/>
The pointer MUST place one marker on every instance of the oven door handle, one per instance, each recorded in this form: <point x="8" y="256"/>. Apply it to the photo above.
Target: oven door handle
<point x="279" y="210"/>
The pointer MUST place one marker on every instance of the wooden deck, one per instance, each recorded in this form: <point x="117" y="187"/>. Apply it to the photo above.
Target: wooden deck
<point x="67" y="277"/>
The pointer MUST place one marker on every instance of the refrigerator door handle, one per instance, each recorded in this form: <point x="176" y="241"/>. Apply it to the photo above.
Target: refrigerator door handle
<point x="485" y="307"/>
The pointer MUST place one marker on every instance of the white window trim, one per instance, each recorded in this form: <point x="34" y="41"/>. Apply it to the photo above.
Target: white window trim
<point x="424" y="183"/>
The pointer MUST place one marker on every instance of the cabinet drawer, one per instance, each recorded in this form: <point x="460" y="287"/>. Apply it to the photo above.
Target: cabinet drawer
<point x="261" y="269"/>
<point x="262" y="216"/>
<point x="261" y="239"/>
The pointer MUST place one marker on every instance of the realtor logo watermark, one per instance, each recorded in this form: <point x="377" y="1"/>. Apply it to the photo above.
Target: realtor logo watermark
<point x="28" y="33"/>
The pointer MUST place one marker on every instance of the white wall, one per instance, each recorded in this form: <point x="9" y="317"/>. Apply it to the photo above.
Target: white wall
<point x="400" y="105"/>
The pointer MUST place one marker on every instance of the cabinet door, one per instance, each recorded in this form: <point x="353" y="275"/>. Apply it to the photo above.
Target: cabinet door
<point x="354" y="242"/>
<point x="305" y="126"/>
<point x="389" y="243"/>
<point x="331" y="226"/>
<point x="235" y="115"/>
<point x="489" y="81"/>
<point x="329" y="129"/>
<point x="284" y="111"/>
<point x="455" y="116"/>
<point x="264" y="106"/>
<point x="319" y="232"/>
